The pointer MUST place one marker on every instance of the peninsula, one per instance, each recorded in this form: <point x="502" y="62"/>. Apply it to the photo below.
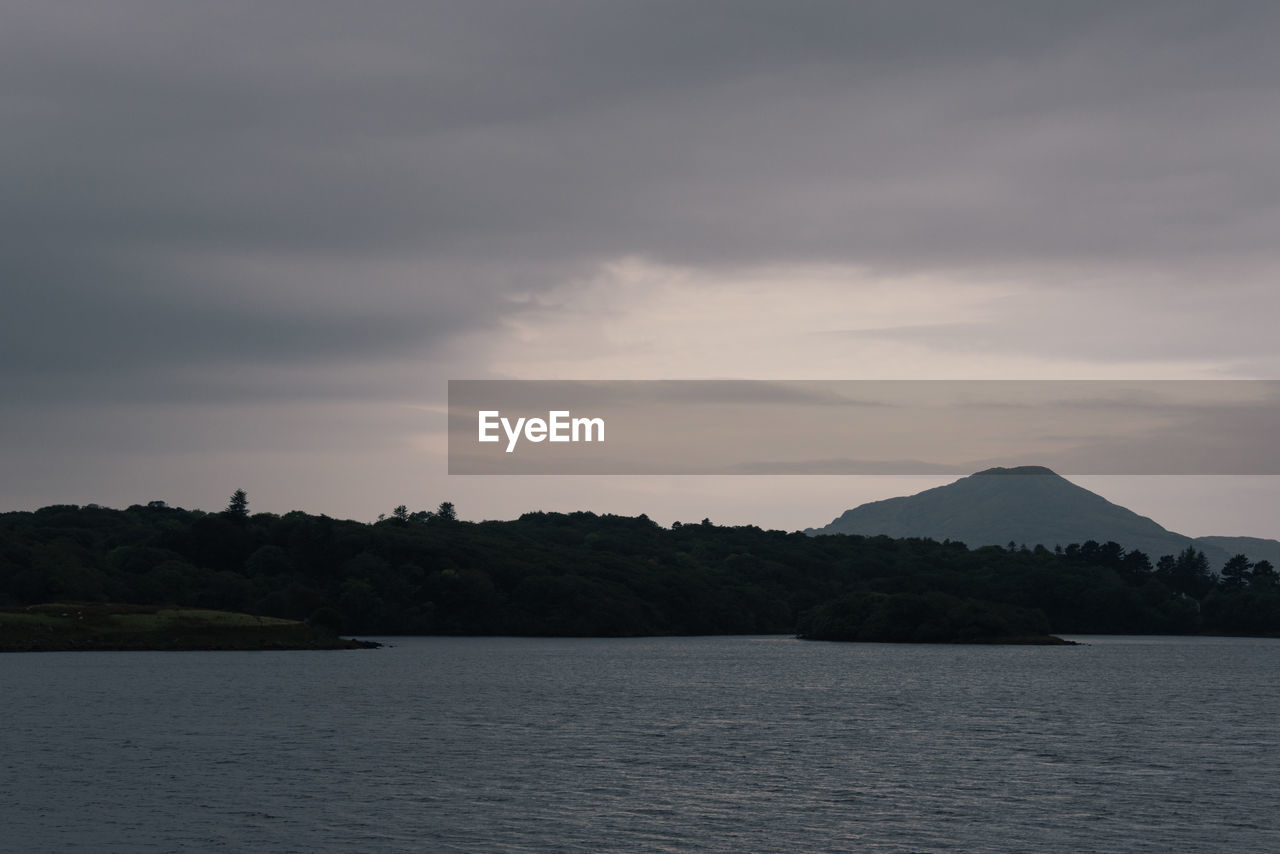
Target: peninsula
<point x="64" y="627"/>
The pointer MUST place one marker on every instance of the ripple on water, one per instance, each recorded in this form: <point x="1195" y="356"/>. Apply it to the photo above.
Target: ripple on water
<point x="664" y="744"/>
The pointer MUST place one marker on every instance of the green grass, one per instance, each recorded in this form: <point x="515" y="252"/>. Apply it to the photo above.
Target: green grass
<point x="58" y="626"/>
<point x="27" y="619"/>
<point x="186" y="617"/>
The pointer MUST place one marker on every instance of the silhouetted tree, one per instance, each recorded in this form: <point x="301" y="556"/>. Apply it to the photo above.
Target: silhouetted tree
<point x="1136" y="566"/>
<point x="238" y="506"/>
<point x="447" y="512"/>
<point x="1264" y="575"/>
<point x="584" y="573"/>
<point x="1187" y="573"/>
<point x="1110" y="554"/>
<point x="1236" y="573"/>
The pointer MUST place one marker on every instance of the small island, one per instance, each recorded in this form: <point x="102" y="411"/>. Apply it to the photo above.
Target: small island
<point x="924" y="618"/>
<point x="65" y="627"/>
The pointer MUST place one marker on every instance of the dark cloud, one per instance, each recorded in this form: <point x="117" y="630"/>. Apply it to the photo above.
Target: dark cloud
<point x="916" y="135"/>
<point x="234" y="200"/>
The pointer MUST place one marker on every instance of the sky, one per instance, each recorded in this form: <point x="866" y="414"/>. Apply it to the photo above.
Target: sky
<point x="246" y="245"/>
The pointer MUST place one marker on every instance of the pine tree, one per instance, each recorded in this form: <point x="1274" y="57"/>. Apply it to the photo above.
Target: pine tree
<point x="1264" y="575"/>
<point x="238" y="506"/>
<point x="1236" y="573"/>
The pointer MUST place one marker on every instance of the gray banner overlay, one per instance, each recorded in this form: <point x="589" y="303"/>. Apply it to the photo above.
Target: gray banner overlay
<point x="717" y="427"/>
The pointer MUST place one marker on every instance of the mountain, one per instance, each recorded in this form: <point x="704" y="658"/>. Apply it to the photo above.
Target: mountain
<point x="1255" y="547"/>
<point x="1031" y="505"/>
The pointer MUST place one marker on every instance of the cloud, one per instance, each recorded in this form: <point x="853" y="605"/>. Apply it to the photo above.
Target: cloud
<point x="1189" y="319"/>
<point x="226" y="204"/>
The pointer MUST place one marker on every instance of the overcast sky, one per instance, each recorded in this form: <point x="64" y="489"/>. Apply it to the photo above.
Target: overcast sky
<point x="245" y="245"/>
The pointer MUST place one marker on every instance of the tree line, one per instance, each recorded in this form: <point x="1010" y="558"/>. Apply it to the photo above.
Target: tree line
<point x="586" y="574"/>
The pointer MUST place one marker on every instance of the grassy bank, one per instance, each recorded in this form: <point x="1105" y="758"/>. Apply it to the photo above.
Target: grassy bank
<point x="56" y="627"/>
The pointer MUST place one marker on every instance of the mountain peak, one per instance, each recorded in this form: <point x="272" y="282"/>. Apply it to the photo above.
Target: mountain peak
<point x="1041" y="470"/>
<point x="1047" y="510"/>
<point x="988" y="508"/>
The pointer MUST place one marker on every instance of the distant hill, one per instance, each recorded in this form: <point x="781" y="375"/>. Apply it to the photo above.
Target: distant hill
<point x="1256" y="548"/>
<point x="1031" y="505"/>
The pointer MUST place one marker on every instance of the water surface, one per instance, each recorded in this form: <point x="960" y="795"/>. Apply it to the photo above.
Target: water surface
<point x="653" y="744"/>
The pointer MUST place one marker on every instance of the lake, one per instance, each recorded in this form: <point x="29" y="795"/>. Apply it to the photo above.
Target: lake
<point x="1123" y="744"/>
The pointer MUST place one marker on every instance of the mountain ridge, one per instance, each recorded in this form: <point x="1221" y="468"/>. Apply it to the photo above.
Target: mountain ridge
<point x="1030" y="505"/>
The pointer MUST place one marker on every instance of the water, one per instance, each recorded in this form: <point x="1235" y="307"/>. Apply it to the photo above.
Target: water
<point x="657" y="744"/>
